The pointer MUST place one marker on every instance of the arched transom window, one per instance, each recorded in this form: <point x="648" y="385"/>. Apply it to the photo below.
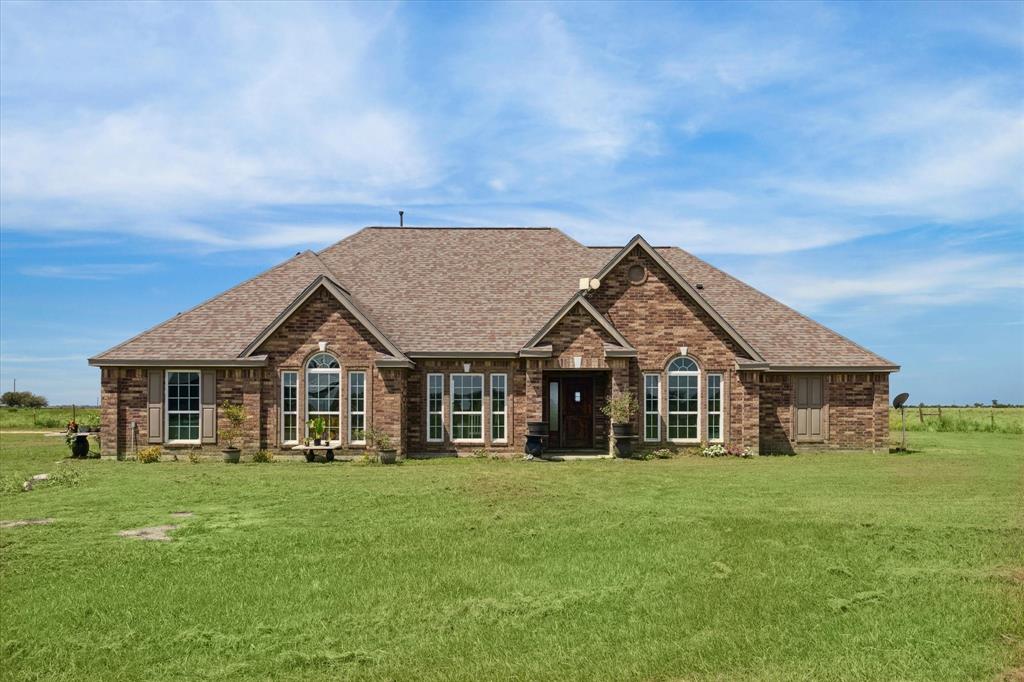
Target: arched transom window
<point x="683" y="399"/>
<point x="323" y="391"/>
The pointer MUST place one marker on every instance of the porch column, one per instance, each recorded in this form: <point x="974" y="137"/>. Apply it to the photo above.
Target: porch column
<point x="252" y="401"/>
<point x="534" y="390"/>
<point x="618" y="384"/>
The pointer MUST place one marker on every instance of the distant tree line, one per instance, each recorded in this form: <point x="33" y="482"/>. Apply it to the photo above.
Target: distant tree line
<point x="23" y="399"/>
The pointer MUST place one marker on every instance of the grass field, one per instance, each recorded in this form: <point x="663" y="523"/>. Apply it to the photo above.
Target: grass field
<point x="46" y="418"/>
<point x="961" y="420"/>
<point x="829" y="567"/>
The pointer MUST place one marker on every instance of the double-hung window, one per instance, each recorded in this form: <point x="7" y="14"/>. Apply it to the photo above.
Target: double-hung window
<point x="683" y="399"/>
<point x="183" y="407"/>
<point x="499" y="393"/>
<point x="467" y="407"/>
<point x="714" y="407"/>
<point x="652" y="407"/>
<point x="435" y="408"/>
<point x="323" y="378"/>
<point x="289" y="407"/>
<point x="357" y="408"/>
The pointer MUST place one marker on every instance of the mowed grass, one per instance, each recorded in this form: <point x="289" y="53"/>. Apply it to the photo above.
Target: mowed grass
<point x="960" y="420"/>
<point x="45" y="418"/>
<point x="830" y="566"/>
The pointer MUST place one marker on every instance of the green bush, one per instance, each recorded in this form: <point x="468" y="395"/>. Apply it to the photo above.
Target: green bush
<point x="263" y="457"/>
<point x="195" y="455"/>
<point x="147" y="455"/>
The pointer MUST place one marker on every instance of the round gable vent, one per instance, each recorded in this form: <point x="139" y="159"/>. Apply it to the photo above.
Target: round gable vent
<point x="637" y="274"/>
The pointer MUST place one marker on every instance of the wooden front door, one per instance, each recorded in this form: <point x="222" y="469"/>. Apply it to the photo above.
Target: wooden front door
<point x="809" y="402"/>
<point x="578" y="412"/>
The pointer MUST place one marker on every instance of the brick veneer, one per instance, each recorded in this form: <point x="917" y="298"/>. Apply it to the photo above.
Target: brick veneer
<point x="856" y="412"/>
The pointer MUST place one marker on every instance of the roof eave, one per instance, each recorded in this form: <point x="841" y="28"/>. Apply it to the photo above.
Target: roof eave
<point x="251" y="361"/>
<point x="831" y="368"/>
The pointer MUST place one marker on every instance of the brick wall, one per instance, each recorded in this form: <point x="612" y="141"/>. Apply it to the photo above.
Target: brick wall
<point x="855" y="411"/>
<point x="123" y="396"/>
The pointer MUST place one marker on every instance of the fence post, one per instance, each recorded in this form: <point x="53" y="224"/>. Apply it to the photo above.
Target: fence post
<point x="920" y="412"/>
<point x="940" y="412"/>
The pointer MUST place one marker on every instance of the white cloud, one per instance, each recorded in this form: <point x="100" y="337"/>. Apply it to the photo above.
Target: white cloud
<point x="88" y="271"/>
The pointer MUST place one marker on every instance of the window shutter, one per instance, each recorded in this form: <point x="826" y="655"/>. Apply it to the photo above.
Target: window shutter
<point x="155" y="411"/>
<point x="208" y="420"/>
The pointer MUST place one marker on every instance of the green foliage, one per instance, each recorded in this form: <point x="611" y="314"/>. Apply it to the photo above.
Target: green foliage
<point x="45" y="417"/>
<point x="23" y="399"/>
<point x="263" y="457"/>
<point x="317" y="426"/>
<point x="150" y="454"/>
<point x="622" y="408"/>
<point x="880" y="567"/>
<point x="195" y="455"/>
<point x="235" y="414"/>
<point x="377" y="439"/>
<point x="663" y="453"/>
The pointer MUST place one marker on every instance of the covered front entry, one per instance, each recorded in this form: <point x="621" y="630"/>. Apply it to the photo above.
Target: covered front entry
<point x="570" y="408"/>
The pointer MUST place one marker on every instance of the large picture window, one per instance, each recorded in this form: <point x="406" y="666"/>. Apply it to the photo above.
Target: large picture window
<point x="714" y="407"/>
<point x="468" y="407"/>
<point x="323" y="378"/>
<point x="289" y="407"/>
<point x="183" y="407"/>
<point x="357" y="408"/>
<point x="499" y="390"/>
<point x="435" y="406"/>
<point x="683" y="400"/>
<point x="652" y="407"/>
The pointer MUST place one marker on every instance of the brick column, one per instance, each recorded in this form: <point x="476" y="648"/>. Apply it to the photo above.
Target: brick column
<point x="110" y="424"/>
<point x="534" y="390"/>
<point x="252" y="401"/>
<point x="880" y="413"/>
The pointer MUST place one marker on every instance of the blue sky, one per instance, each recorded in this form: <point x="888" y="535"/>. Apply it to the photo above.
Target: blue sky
<point x="860" y="162"/>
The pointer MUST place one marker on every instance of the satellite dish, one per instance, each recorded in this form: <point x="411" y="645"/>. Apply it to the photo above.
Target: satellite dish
<point x="900" y="400"/>
<point x="595" y="283"/>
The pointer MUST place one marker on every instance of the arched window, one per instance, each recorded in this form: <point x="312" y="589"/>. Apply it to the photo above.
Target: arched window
<point x="683" y="399"/>
<point x="323" y="390"/>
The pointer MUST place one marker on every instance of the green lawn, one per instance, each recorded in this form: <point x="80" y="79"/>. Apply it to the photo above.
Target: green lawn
<point x="831" y="566"/>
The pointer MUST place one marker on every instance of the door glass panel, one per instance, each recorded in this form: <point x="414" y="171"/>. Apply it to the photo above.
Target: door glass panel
<point x="553" y="406"/>
<point x="578" y="398"/>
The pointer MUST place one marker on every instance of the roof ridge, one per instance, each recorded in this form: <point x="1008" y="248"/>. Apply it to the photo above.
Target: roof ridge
<point x="201" y="304"/>
<point x="775" y="300"/>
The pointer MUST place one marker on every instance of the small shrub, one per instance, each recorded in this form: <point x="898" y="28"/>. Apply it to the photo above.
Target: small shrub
<point x="663" y="453"/>
<point x="65" y="476"/>
<point x="147" y="455"/>
<point x="263" y="457"/>
<point x="645" y="455"/>
<point x="480" y="453"/>
<point x="194" y="455"/>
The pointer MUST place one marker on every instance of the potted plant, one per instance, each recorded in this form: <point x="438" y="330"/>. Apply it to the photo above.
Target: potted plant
<point x="317" y="426"/>
<point x="381" y="442"/>
<point x="234" y="434"/>
<point x="621" y="409"/>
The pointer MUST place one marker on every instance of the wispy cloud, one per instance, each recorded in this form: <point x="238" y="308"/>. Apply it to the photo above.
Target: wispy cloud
<point x="88" y="271"/>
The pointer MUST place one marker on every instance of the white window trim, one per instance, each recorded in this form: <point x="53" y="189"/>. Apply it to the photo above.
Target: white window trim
<point x="504" y="410"/>
<point x="348" y="406"/>
<point x="657" y="413"/>
<point x="668" y="414"/>
<point x="285" y="441"/>
<point x="167" y="407"/>
<point x="721" y="410"/>
<point x="482" y="412"/>
<point x="441" y="412"/>
<point x="305" y="390"/>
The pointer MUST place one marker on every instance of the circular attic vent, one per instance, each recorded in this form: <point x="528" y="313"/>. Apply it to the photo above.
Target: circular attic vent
<point x="637" y="274"/>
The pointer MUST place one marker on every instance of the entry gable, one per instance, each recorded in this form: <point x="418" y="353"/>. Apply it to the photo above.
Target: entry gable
<point x="638" y="242"/>
<point x="392" y="355"/>
<point x="613" y="334"/>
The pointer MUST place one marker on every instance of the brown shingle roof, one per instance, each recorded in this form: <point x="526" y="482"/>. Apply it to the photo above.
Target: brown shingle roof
<point x="433" y="290"/>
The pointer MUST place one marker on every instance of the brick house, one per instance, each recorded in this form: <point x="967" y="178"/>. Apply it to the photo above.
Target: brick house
<point x="452" y="339"/>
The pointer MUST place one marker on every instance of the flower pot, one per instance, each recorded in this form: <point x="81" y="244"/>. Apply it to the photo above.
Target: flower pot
<point x="389" y="456"/>
<point x="232" y="455"/>
<point x="624" y="446"/>
<point x="622" y="430"/>
<point x="329" y="456"/>
<point x="310" y="456"/>
<point x="537" y="428"/>
<point x="80" y="446"/>
<point x="316" y="441"/>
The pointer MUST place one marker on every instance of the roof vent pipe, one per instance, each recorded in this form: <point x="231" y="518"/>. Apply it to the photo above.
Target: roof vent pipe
<point x="401" y="218"/>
